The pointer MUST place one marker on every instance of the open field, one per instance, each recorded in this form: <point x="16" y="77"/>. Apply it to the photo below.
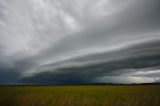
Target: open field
<point x="116" y="95"/>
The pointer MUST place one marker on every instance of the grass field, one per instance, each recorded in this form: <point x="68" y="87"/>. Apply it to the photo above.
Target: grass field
<point x="138" y="95"/>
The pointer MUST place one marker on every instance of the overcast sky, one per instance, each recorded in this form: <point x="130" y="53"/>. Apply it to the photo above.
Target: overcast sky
<point x="79" y="41"/>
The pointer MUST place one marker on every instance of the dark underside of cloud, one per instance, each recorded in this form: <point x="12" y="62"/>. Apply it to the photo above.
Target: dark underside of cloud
<point x="138" y="58"/>
<point x="8" y="77"/>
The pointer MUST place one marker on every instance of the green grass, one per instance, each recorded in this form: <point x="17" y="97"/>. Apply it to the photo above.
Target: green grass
<point x="139" y="95"/>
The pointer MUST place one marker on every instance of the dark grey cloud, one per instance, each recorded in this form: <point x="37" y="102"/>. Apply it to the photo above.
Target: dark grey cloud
<point x="68" y="41"/>
<point x="138" y="58"/>
<point x="9" y="76"/>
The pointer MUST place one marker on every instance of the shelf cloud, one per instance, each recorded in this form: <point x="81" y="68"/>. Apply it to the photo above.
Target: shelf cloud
<point x="77" y="42"/>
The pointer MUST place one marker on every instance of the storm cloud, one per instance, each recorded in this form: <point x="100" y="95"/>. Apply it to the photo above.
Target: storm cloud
<point x="76" y="42"/>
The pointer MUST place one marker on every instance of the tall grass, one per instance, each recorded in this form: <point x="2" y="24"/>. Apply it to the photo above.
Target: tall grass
<point x="80" y="95"/>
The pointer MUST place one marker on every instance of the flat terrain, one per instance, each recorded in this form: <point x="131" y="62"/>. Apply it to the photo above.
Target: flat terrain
<point x="116" y="95"/>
